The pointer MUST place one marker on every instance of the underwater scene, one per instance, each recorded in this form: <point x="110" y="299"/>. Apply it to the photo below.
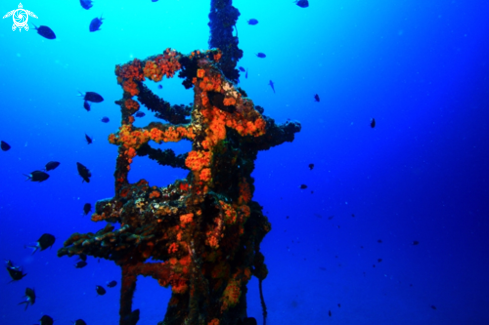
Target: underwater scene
<point x="244" y="162"/>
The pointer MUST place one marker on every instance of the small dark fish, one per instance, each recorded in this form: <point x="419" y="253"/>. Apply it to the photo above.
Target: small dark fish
<point x="86" y="4"/>
<point x="45" y="32"/>
<point x="84" y="172"/>
<point x="271" y="85"/>
<point x="246" y="75"/>
<point x="11" y="265"/>
<point x="154" y="0"/>
<point x="86" y="106"/>
<point x="100" y="290"/>
<point x="30" y="298"/>
<point x="372" y="122"/>
<point x="51" y="165"/>
<point x="105" y="119"/>
<point x="92" y="97"/>
<point x="379" y="260"/>
<point x="132" y="318"/>
<point x="252" y="21"/>
<point x="303" y="186"/>
<point x="95" y="24"/>
<point x="415" y="242"/>
<point x="330" y="217"/>
<point x="140" y="114"/>
<point x="339" y="305"/>
<point x="80" y="264"/>
<point x="261" y="55"/>
<point x="353" y="215"/>
<point x="316" y="98"/>
<point x="37" y="176"/>
<point x="112" y="284"/>
<point x="46" y="320"/>
<point x="5" y="146"/>
<point x="241" y="69"/>
<point x="160" y="86"/>
<point x="302" y="3"/>
<point x="89" y="140"/>
<point x="329" y="313"/>
<point x="87" y="208"/>
<point x="45" y="241"/>
<point x="379" y="241"/>
<point x="15" y="273"/>
<point x="433" y="307"/>
<point x="311" y="166"/>
<point x="79" y="322"/>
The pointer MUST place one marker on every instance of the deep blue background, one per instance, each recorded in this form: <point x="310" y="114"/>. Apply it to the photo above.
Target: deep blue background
<point x="419" y="67"/>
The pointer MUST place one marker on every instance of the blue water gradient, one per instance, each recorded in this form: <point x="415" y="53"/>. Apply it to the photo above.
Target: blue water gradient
<point x="420" y="68"/>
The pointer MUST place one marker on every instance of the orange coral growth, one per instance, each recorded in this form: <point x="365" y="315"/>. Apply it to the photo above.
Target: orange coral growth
<point x="124" y="192"/>
<point x="179" y="286"/>
<point x="131" y="104"/>
<point x="256" y="128"/>
<point x="156" y="135"/>
<point x="168" y="63"/>
<point x="260" y="125"/>
<point x="149" y="250"/>
<point x="196" y="237"/>
<point x="216" y="130"/>
<point x="229" y="212"/>
<point x="130" y="70"/>
<point x="173" y="248"/>
<point x="217" y="56"/>
<point x="152" y="71"/>
<point x="185" y="261"/>
<point x="131" y="87"/>
<point x="247" y="273"/>
<point x="212" y="240"/>
<point x="204" y="98"/>
<point x="212" y="83"/>
<point x="112" y="138"/>
<point x="196" y="160"/>
<point x="229" y="101"/>
<point x="205" y="174"/>
<point x="130" y="153"/>
<point x="183" y="186"/>
<point x="231" y="294"/>
<point x="130" y="138"/>
<point x="200" y="73"/>
<point x="186" y="219"/>
<point x="244" y="191"/>
<point x="97" y="217"/>
<point x="171" y="134"/>
<point x="245" y="210"/>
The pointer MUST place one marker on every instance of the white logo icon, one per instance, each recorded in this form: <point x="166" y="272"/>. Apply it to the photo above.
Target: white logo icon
<point x="20" y="17"/>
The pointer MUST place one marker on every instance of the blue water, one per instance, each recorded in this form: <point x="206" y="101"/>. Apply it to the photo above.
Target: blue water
<point x="420" y="68"/>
